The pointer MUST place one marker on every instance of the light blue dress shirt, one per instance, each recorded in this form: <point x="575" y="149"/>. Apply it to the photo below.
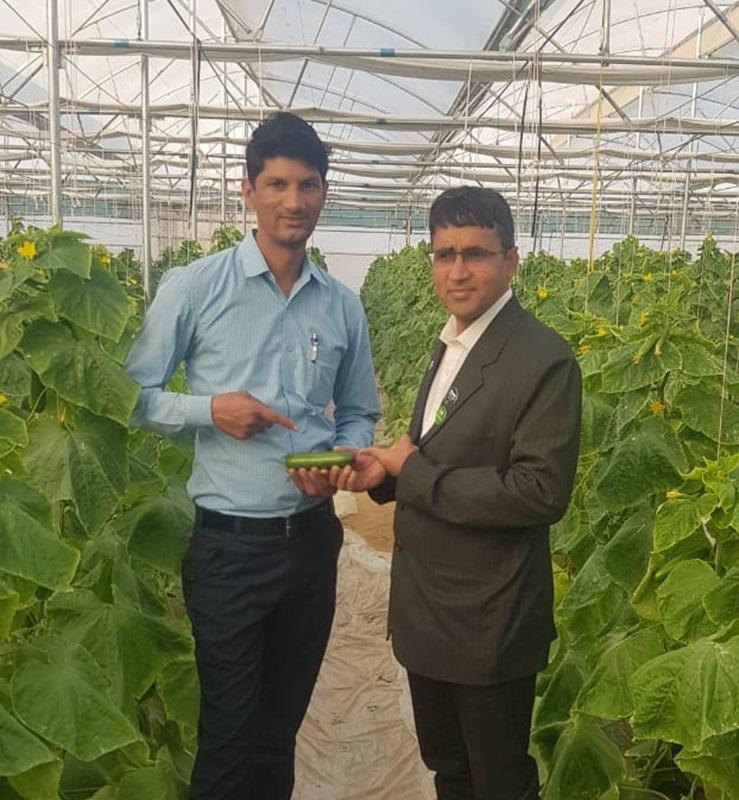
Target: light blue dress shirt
<point x="227" y="319"/>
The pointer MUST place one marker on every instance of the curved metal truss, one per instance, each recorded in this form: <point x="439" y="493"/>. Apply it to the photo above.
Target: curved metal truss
<point x="577" y="108"/>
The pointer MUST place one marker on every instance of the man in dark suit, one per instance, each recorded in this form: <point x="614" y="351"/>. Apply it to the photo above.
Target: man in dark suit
<point x="487" y="467"/>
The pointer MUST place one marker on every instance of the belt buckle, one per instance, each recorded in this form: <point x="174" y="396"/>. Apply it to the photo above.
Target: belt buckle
<point x="289" y="526"/>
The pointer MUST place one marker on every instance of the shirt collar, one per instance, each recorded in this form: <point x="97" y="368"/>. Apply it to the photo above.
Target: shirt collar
<point x="469" y="336"/>
<point x="253" y="262"/>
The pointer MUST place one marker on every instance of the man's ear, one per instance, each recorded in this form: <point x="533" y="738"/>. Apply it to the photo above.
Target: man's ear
<point x="247" y="192"/>
<point x="512" y="259"/>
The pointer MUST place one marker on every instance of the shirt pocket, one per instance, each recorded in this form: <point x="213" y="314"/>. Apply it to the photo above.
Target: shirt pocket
<point x="320" y="381"/>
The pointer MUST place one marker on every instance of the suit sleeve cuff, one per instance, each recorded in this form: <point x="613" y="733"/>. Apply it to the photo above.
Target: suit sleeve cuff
<point x="197" y="411"/>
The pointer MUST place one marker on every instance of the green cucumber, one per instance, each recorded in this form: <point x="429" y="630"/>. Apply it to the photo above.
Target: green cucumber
<point x="321" y="459"/>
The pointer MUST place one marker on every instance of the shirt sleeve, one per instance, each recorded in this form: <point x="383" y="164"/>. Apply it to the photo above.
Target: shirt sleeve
<point x="355" y="393"/>
<point x="161" y="345"/>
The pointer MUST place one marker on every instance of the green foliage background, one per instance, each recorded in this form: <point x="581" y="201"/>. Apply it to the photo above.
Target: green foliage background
<point x="641" y="696"/>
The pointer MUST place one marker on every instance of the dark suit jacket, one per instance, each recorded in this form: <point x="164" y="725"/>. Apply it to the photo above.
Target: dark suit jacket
<point x="471" y="591"/>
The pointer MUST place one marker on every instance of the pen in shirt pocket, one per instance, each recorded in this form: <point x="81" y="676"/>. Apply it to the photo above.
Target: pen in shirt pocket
<point x="314" y="341"/>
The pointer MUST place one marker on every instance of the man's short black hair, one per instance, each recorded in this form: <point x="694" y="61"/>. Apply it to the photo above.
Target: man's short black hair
<point x="285" y="134"/>
<point x="474" y="206"/>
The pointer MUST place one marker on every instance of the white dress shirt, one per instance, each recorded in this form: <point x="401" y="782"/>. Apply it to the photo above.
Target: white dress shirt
<point x="458" y="347"/>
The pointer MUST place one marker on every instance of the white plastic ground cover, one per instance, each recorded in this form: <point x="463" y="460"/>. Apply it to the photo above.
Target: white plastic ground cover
<point x="357" y="741"/>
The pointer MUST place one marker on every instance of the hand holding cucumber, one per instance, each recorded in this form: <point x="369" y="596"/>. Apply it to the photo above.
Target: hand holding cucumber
<point x="241" y="415"/>
<point x="309" y="471"/>
<point x="392" y="458"/>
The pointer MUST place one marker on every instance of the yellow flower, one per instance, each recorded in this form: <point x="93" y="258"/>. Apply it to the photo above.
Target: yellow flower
<point x="647" y="276"/>
<point x="583" y="350"/>
<point x="3" y="399"/>
<point x="542" y="293"/>
<point x="636" y="358"/>
<point x="602" y="330"/>
<point x="656" y="407"/>
<point x="643" y="317"/>
<point x="133" y="282"/>
<point x="673" y="494"/>
<point x="105" y="259"/>
<point x="27" y="250"/>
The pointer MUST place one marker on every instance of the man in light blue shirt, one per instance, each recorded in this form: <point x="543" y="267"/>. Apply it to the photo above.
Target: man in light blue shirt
<point x="277" y="360"/>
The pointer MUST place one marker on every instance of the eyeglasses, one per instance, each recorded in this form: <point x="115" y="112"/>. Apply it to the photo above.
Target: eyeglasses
<point x="471" y="256"/>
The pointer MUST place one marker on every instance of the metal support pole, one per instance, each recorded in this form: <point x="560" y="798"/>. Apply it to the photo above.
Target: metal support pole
<point x="55" y="157"/>
<point x="246" y="138"/>
<point x="224" y="130"/>
<point x="693" y="146"/>
<point x="195" y="99"/>
<point x="632" y="205"/>
<point x="145" y="155"/>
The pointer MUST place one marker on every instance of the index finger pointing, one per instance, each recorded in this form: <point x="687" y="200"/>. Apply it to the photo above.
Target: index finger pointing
<point x="274" y="417"/>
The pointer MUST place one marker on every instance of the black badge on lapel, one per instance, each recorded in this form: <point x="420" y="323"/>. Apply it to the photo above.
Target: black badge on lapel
<point x="451" y="398"/>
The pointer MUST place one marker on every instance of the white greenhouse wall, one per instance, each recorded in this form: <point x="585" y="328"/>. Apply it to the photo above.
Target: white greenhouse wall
<point x="348" y="251"/>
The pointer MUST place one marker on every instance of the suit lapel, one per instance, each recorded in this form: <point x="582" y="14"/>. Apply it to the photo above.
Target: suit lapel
<point x="469" y="379"/>
<point x="417" y="419"/>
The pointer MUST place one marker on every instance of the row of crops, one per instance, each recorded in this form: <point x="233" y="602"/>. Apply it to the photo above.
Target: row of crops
<point x="98" y="692"/>
<point x="641" y="696"/>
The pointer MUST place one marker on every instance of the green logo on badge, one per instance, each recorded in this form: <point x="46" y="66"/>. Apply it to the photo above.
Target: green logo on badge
<point x="440" y="415"/>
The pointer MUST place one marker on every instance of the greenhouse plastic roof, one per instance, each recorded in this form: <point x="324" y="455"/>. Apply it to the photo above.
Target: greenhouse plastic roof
<point x="547" y="100"/>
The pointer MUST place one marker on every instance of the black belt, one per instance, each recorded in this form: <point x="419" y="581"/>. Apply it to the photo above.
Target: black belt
<point x="286" y="526"/>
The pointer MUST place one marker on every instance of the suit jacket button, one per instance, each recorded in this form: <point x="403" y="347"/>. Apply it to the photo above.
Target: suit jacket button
<point x="399" y="547"/>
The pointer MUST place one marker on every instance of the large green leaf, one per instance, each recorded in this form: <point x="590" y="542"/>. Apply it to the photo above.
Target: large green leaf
<point x="15" y="377"/>
<point x="593" y="601"/>
<point x="13" y="432"/>
<point x="722" y="600"/>
<point x="698" y="360"/>
<point x="30" y="548"/>
<point x="20" y="750"/>
<point x="688" y="695"/>
<point x="79" y="370"/>
<point x="723" y="773"/>
<point x="596" y="414"/>
<point x="87" y="464"/>
<point x="621" y="374"/>
<point x="130" y="588"/>
<point x="586" y="764"/>
<point x="703" y="410"/>
<point x="150" y="782"/>
<point x="648" y="460"/>
<point x="677" y="519"/>
<point x="9" y="603"/>
<point x="179" y="688"/>
<point x="561" y="691"/>
<point x="39" y="783"/>
<point x="679" y="599"/>
<point x="11" y="332"/>
<point x="629" y="406"/>
<point x="627" y="553"/>
<point x="158" y="530"/>
<point x="64" y="250"/>
<point x="607" y="692"/>
<point x="98" y="305"/>
<point x="60" y="692"/>
<point x="13" y="276"/>
<point x="122" y="639"/>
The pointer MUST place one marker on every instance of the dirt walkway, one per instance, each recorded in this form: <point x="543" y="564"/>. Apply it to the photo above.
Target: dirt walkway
<point x="357" y="741"/>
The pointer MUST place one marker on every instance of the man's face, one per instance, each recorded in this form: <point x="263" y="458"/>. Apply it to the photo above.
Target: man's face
<point x="287" y="196"/>
<point x="467" y="287"/>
